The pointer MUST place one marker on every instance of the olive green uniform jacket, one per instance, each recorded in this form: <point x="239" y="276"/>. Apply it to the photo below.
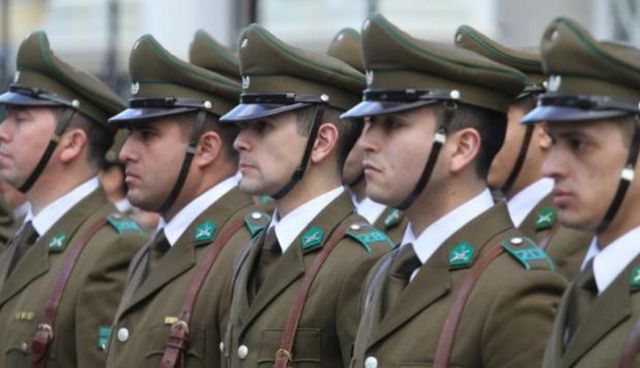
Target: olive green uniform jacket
<point x="8" y="224"/>
<point x="505" y="322"/>
<point x="610" y="317"/>
<point x="150" y="305"/>
<point x="90" y="298"/>
<point x="330" y="316"/>
<point x="566" y="247"/>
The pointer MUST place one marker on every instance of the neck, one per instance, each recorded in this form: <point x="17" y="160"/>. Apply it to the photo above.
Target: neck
<point x="195" y="186"/>
<point x="312" y="185"/>
<point x="440" y="200"/>
<point x="47" y="189"/>
<point x="359" y="189"/>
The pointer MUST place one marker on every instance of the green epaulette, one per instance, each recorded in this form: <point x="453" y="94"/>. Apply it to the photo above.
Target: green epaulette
<point x="367" y="236"/>
<point x="256" y="221"/>
<point x="123" y="224"/>
<point x="527" y="253"/>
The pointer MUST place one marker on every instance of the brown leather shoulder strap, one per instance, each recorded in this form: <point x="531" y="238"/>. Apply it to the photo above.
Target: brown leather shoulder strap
<point x="445" y="344"/>
<point x="284" y="356"/>
<point x="179" y="338"/>
<point x="631" y="347"/>
<point x="544" y="243"/>
<point x="45" y="334"/>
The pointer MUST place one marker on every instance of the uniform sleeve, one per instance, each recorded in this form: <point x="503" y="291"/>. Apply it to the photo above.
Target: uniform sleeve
<point x="100" y="295"/>
<point x="350" y="300"/>
<point x="520" y="320"/>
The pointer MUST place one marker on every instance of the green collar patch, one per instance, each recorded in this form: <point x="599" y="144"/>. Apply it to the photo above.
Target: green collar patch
<point x="368" y="235"/>
<point x="123" y="224"/>
<point x="256" y="221"/>
<point x="461" y="255"/>
<point x="635" y="278"/>
<point x="204" y="233"/>
<point x="393" y="218"/>
<point x="104" y="332"/>
<point x="312" y="239"/>
<point x="545" y="218"/>
<point x="58" y="242"/>
<point x="527" y="253"/>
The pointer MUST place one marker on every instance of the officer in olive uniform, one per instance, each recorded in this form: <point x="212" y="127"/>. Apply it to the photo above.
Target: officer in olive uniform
<point x="62" y="275"/>
<point x="293" y="146"/>
<point x="346" y="47"/>
<point x="517" y="169"/>
<point x="465" y="288"/>
<point x="181" y="163"/>
<point x="593" y="116"/>
<point x="13" y="209"/>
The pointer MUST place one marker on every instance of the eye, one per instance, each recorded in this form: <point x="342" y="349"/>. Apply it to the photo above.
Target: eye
<point x="391" y="123"/>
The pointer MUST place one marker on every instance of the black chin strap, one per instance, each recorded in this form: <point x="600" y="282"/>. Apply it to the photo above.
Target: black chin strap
<point x="626" y="177"/>
<point x="438" y="141"/>
<point x="522" y="155"/>
<point x="186" y="163"/>
<point x="61" y="126"/>
<point x="302" y="167"/>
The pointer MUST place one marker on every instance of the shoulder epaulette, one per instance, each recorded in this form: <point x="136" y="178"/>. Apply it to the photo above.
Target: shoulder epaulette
<point x="527" y="253"/>
<point x="367" y="235"/>
<point x="256" y="221"/>
<point x="123" y="224"/>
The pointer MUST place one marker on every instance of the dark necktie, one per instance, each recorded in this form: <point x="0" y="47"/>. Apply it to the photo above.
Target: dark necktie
<point x="582" y="294"/>
<point x="22" y="241"/>
<point x="269" y="255"/>
<point x="158" y="247"/>
<point x="403" y="265"/>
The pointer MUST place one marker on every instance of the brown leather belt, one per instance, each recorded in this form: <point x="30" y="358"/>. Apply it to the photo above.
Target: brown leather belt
<point x="284" y="356"/>
<point x="445" y="344"/>
<point x="179" y="338"/>
<point x="631" y="347"/>
<point x="45" y="334"/>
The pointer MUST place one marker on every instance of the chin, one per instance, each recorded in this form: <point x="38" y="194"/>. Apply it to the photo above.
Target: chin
<point x="250" y="187"/>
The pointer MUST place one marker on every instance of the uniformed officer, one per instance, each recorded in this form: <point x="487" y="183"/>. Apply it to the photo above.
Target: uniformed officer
<point x="465" y="288"/>
<point x="593" y="116"/>
<point x="297" y="289"/>
<point x="346" y="47"/>
<point x="63" y="273"/>
<point x="516" y="170"/>
<point x="181" y="163"/>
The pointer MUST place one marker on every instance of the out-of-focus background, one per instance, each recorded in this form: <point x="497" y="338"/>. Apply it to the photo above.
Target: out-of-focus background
<point x="98" y="34"/>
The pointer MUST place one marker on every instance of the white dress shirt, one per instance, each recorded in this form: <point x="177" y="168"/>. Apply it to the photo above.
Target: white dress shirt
<point x="174" y="229"/>
<point x="48" y="216"/>
<point x="123" y="205"/>
<point x="368" y="208"/>
<point x="437" y="233"/>
<point x="525" y="201"/>
<point x="609" y="262"/>
<point x="289" y="227"/>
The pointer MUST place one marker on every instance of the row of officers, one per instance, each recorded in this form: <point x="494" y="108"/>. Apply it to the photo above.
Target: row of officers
<point x="433" y="205"/>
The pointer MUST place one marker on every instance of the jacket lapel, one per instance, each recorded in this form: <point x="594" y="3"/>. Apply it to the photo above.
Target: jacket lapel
<point x="539" y="221"/>
<point x="291" y="265"/>
<point x="182" y="256"/>
<point x="609" y="309"/>
<point x="35" y="261"/>
<point x="434" y="279"/>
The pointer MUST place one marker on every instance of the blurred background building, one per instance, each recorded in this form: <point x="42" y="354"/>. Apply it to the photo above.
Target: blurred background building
<point x="98" y="35"/>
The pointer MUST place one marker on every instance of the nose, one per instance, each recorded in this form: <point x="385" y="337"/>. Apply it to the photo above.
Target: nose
<point x="127" y="152"/>
<point x="242" y="143"/>
<point x="369" y="139"/>
<point x="555" y="163"/>
<point x="4" y="130"/>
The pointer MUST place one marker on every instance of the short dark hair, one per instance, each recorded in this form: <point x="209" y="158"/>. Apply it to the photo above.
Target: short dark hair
<point x="348" y="130"/>
<point x="99" y="137"/>
<point x="490" y="124"/>
<point x="227" y="132"/>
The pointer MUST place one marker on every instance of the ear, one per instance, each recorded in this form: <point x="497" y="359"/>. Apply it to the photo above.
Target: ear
<point x="326" y="140"/>
<point x="209" y="147"/>
<point x="72" y="144"/>
<point x="542" y="137"/>
<point x="466" y="145"/>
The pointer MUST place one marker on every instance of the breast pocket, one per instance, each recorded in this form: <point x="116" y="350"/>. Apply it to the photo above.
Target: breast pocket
<point x="307" y="349"/>
<point x="157" y="337"/>
<point x="18" y="351"/>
